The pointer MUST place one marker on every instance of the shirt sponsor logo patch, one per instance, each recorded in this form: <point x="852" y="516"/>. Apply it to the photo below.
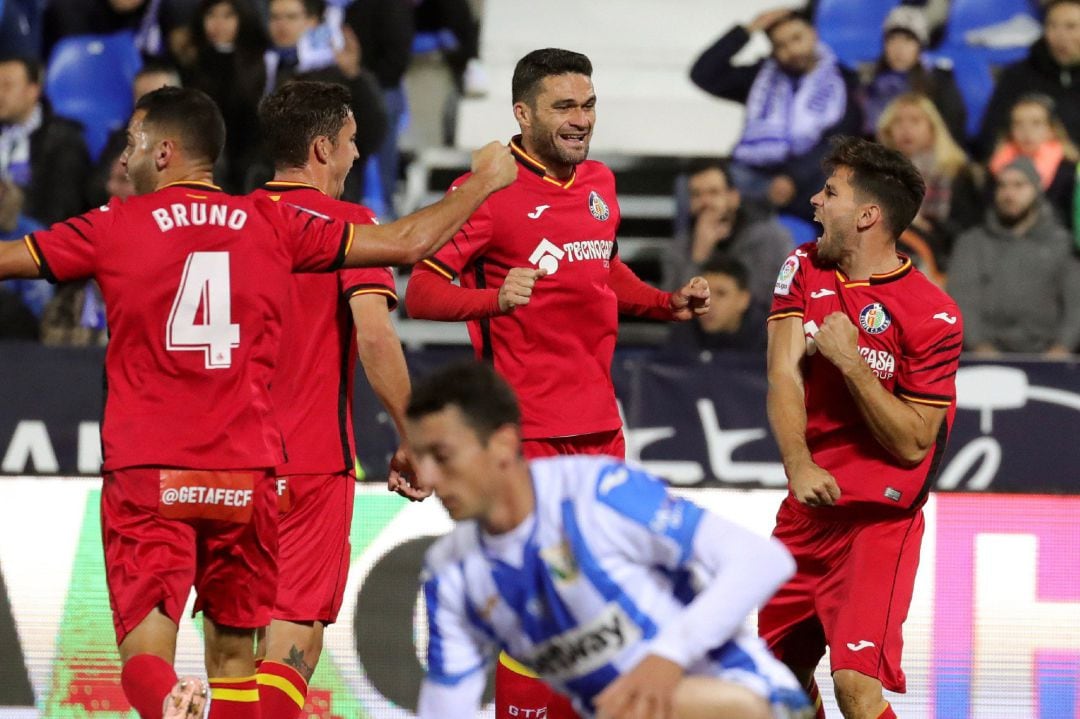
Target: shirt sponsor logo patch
<point x="586" y="648"/>
<point x="546" y="256"/>
<point x="881" y="362"/>
<point x="787" y="274"/>
<point x="874" y="318"/>
<point x="598" y="207"/>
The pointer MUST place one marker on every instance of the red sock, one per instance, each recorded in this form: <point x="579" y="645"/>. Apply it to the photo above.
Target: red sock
<point x="282" y="690"/>
<point x="888" y="713"/>
<point x="814" y="693"/>
<point x="518" y="695"/>
<point x="234" y="698"/>
<point x="147" y="680"/>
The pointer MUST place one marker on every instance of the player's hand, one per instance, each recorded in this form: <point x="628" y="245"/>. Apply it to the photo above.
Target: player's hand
<point x="518" y="287"/>
<point x="690" y="300"/>
<point x="767" y="18"/>
<point x="402" y="478"/>
<point x="838" y="341"/>
<point x="645" y="692"/>
<point x="813" y="486"/>
<point x="495" y="163"/>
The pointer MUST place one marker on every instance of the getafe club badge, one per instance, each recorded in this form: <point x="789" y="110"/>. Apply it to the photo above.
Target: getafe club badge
<point x="874" y="318"/>
<point x="598" y="207"/>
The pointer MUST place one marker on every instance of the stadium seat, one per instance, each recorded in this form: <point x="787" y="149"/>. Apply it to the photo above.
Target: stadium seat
<point x="801" y="230"/>
<point x="975" y="78"/>
<point x="89" y="79"/>
<point x="852" y="28"/>
<point x="968" y="15"/>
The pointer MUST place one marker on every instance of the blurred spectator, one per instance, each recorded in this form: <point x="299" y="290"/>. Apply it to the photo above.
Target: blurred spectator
<point x="1052" y="68"/>
<point x="954" y="196"/>
<point x="230" y="43"/>
<point x="795" y="101"/>
<point x="42" y="153"/>
<point x="385" y="30"/>
<point x="903" y="68"/>
<point x="294" y="54"/>
<point x="719" y="221"/>
<point x="159" y="26"/>
<point x="154" y="74"/>
<point x="734" y="321"/>
<point x="20" y="27"/>
<point x="21" y="301"/>
<point x="1035" y="131"/>
<point x="1015" y="277"/>
<point x="470" y="77"/>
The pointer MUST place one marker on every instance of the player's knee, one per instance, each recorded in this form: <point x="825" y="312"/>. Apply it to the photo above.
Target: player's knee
<point x="229" y="651"/>
<point x="858" y="695"/>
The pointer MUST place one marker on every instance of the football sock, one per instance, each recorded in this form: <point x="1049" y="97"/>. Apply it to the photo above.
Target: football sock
<point x="282" y="690"/>
<point x="814" y="693"/>
<point x="146" y="680"/>
<point x="234" y="698"/>
<point x="516" y="694"/>
<point x="888" y="713"/>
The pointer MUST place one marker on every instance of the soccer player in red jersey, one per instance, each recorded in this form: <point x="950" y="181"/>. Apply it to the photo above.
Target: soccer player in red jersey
<point x="863" y="353"/>
<point x="308" y="130"/>
<point x="194" y="282"/>
<point x="542" y="285"/>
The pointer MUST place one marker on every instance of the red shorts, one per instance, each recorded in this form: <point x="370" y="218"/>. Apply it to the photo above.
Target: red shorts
<point x="313" y="547"/>
<point x="610" y="443"/>
<point x="851" y="592"/>
<point x="153" y="560"/>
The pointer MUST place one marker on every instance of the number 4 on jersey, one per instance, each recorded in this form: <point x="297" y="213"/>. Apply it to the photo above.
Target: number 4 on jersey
<point x="205" y="286"/>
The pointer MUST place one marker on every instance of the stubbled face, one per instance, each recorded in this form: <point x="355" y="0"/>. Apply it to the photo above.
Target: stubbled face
<point x="836" y="209"/>
<point x="1030" y="127"/>
<point x="343" y="155"/>
<point x="901" y="51"/>
<point x="727" y="304"/>
<point x="1062" y="32"/>
<point x="709" y="191"/>
<point x="452" y="460"/>
<point x="1014" y="196"/>
<point x="221" y="24"/>
<point x="910" y="131"/>
<point x="558" y="123"/>
<point x="794" y="46"/>
<point x="288" y="22"/>
<point x="138" y="156"/>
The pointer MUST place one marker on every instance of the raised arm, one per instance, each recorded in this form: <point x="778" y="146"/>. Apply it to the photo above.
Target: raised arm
<point x="421" y="234"/>
<point x="16" y="260"/>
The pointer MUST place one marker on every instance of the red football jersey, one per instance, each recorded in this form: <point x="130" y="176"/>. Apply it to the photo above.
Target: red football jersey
<point x="910" y="334"/>
<point x="556" y="351"/>
<point x="313" y="381"/>
<point x="194" y="281"/>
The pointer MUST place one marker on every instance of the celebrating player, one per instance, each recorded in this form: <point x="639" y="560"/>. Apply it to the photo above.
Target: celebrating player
<point x="194" y="281"/>
<point x="863" y="353"/>
<point x="542" y="286"/>
<point x="309" y="130"/>
<point x="582" y="567"/>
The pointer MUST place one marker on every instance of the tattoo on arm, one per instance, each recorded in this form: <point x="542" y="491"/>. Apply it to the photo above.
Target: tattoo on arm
<point x="296" y="661"/>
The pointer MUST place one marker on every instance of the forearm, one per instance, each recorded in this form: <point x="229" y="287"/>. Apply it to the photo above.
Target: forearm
<point x="894" y="424"/>
<point x="785" y="405"/>
<point x="746" y="570"/>
<point x="16" y="261"/>
<point x="714" y="73"/>
<point x="636" y="297"/>
<point x="430" y="296"/>
<point x="384" y="365"/>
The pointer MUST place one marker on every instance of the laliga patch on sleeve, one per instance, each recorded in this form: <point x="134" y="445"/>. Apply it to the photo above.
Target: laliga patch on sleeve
<point x="786" y="276"/>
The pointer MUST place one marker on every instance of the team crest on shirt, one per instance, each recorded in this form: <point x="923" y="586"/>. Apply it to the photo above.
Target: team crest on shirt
<point x="598" y="207"/>
<point x="874" y="318"/>
<point x="560" y="562"/>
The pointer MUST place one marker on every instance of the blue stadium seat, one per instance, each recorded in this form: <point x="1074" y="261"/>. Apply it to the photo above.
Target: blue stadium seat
<point x="974" y="76"/>
<point x="89" y="79"/>
<point x="801" y="230"/>
<point x="967" y="15"/>
<point x="852" y="28"/>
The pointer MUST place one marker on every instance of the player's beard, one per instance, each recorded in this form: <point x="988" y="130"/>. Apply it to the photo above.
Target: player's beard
<point x="142" y="179"/>
<point x="830" y="246"/>
<point x="550" y="152"/>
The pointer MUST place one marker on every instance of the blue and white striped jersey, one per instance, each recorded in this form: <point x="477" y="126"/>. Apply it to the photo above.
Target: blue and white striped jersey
<point x="608" y="568"/>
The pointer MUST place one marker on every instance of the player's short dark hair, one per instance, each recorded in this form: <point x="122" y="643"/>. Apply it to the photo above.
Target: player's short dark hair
<point x="720" y="263"/>
<point x="296" y="113"/>
<point x="30" y="64"/>
<point x="191" y="114"/>
<point x="705" y="164"/>
<point x="484" y="398"/>
<point x="883" y="174"/>
<point x="538" y="64"/>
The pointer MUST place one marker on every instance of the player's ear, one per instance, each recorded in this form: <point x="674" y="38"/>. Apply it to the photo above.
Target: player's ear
<point x="323" y="148"/>
<point x="163" y="153"/>
<point x="505" y="443"/>
<point x="869" y="215"/>
<point x="523" y="114"/>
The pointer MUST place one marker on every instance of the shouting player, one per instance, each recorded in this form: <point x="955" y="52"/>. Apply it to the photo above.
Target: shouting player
<point x="194" y="282"/>
<point x="581" y="566"/>
<point x="309" y="132"/>
<point x="863" y="353"/>
<point x="542" y="285"/>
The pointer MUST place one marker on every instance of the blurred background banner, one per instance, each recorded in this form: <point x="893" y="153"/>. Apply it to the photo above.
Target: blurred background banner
<point x="697" y="421"/>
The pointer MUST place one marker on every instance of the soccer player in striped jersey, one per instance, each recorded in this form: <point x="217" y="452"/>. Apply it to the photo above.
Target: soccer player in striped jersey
<point x="628" y="600"/>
